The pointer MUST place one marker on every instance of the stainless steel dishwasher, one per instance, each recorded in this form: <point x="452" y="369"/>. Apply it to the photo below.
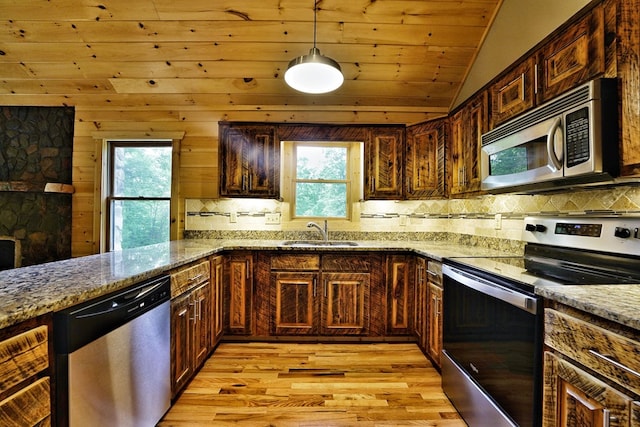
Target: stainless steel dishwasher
<point x="113" y="358"/>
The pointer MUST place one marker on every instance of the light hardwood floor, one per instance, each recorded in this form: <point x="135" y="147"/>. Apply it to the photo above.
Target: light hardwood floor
<point x="313" y="385"/>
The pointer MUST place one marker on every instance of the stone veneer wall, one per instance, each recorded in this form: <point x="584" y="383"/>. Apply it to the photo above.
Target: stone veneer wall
<point x="36" y="145"/>
<point x="469" y="221"/>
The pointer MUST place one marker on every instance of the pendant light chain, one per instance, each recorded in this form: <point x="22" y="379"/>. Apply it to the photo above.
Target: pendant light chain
<point x="315" y="22"/>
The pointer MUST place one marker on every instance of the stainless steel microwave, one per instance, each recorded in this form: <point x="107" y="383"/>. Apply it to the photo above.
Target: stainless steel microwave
<point x="570" y="140"/>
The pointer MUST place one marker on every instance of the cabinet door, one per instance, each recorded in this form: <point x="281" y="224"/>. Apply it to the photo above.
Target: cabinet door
<point x="421" y="303"/>
<point x="294" y="303"/>
<point x="201" y="318"/>
<point x="249" y="161"/>
<point x="384" y="154"/>
<point x="573" y="397"/>
<point x="181" y="350"/>
<point x="399" y="294"/>
<point x="434" y="324"/>
<point x="575" y="57"/>
<point x="345" y="303"/>
<point x="467" y="127"/>
<point x="425" y="160"/>
<point x="239" y="293"/>
<point x="513" y="93"/>
<point x="216" y="300"/>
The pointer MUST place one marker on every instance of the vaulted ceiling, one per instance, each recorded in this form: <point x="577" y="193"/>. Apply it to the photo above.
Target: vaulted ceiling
<point x="399" y="57"/>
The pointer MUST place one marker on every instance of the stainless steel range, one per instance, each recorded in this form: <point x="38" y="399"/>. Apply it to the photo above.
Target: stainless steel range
<point x="492" y="350"/>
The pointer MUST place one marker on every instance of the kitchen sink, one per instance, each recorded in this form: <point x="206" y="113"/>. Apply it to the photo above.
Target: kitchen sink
<point x="310" y="243"/>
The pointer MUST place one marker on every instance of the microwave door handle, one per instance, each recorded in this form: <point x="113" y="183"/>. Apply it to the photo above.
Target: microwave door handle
<point x="551" y="138"/>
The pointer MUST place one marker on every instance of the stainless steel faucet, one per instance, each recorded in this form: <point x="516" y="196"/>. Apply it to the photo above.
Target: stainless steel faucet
<point x="324" y="232"/>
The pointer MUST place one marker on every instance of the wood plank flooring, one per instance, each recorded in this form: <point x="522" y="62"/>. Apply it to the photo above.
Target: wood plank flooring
<point x="313" y="385"/>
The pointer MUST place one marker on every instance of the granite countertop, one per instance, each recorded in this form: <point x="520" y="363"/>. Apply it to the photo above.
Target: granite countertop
<point x="32" y="291"/>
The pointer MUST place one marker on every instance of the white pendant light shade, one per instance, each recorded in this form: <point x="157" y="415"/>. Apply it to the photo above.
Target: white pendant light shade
<point x="314" y="73"/>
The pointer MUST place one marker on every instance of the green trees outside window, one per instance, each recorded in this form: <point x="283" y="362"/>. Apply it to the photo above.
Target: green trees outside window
<point x="321" y="184"/>
<point x="140" y="194"/>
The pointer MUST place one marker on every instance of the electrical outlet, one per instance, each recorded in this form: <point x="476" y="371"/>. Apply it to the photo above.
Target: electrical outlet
<point x="233" y="217"/>
<point x="497" y="221"/>
<point x="272" y="218"/>
<point x="403" y="220"/>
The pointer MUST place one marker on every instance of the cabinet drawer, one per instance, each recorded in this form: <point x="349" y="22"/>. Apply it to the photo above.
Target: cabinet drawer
<point x="28" y="407"/>
<point x="298" y="262"/>
<point x="434" y="272"/>
<point x="23" y="356"/>
<point x="184" y="279"/>
<point x="612" y="355"/>
<point x="350" y="263"/>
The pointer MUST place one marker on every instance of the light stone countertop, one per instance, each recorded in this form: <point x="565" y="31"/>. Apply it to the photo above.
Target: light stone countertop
<point x="32" y="291"/>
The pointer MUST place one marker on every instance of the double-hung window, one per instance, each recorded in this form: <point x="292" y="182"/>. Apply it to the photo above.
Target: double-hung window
<point x="323" y="178"/>
<point x="139" y="199"/>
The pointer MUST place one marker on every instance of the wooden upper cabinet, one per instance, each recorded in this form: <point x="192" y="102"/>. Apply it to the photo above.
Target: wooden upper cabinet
<point x="513" y="93"/>
<point x="384" y="151"/>
<point x="249" y="161"/>
<point x="425" y="160"/>
<point x="574" y="57"/>
<point x="467" y="127"/>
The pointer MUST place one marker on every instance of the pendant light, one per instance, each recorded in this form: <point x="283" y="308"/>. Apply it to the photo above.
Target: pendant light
<point x="314" y="73"/>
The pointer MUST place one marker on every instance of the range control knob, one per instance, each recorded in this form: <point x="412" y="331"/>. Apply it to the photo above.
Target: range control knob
<point x="623" y="233"/>
<point x="530" y="227"/>
<point x="535" y="227"/>
<point x="541" y="228"/>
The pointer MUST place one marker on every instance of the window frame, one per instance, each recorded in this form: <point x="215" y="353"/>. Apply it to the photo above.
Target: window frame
<point x="353" y="177"/>
<point x="110" y="198"/>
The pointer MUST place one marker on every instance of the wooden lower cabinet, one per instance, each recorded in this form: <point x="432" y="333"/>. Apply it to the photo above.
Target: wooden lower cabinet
<point x="217" y="307"/>
<point x="573" y="397"/>
<point x="323" y="294"/>
<point x="590" y="371"/>
<point x="25" y="396"/>
<point x="238" y="293"/>
<point x="345" y="303"/>
<point x="421" y="303"/>
<point x="399" y="294"/>
<point x="434" y="323"/>
<point x="295" y="301"/>
<point x="190" y="322"/>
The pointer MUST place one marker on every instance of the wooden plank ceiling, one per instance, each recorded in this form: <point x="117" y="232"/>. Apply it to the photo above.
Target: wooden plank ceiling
<point x="402" y="56"/>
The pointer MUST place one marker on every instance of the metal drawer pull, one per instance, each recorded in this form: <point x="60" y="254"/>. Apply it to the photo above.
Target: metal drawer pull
<point x="196" y="277"/>
<point x="614" y="363"/>
<point x="431" y="272"/>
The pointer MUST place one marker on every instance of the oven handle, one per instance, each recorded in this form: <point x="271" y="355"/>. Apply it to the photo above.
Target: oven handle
<point x="513" y="297"/>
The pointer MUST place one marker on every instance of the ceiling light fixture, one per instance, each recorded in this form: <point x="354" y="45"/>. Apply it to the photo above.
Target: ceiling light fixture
<point x="314" y="73"/>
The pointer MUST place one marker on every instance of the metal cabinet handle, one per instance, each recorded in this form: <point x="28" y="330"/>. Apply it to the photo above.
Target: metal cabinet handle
<point x="610" y="359"/>
<point x="196" y="277"/>
<point x="523" y="93"/>
<point x="432" y="273"/>
<point x="326" y="285"/>
<point x="315" y="282"/>
<point x="246" y="268"/>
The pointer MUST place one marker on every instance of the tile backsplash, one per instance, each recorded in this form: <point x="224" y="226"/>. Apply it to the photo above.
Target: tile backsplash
<point x="494" y="216"/>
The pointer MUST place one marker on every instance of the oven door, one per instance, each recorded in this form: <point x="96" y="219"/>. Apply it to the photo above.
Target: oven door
<point x="528" y="156"/>
<point x="492" y="346"/>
